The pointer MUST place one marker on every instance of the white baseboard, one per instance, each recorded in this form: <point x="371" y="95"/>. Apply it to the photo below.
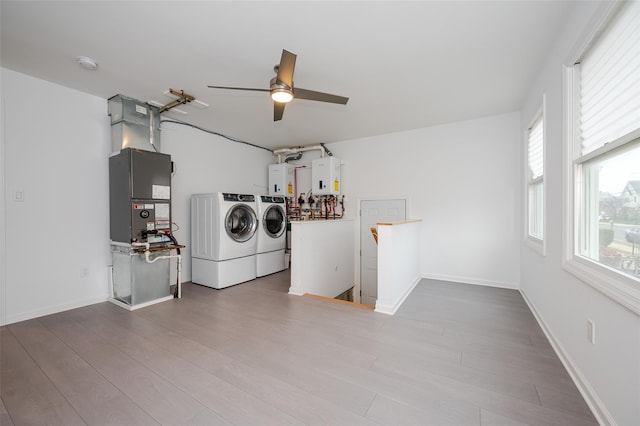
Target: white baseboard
<point x="296" y="291"/>
<point x="140" y="305"/>
<point x="471" y="280"/>
<point x="55" y="309"/>
<point x="596" y="405"/>
<point x="391" y="309"/>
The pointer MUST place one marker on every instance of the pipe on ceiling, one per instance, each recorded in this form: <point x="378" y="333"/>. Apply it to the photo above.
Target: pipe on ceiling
<point x="300" y="149"/>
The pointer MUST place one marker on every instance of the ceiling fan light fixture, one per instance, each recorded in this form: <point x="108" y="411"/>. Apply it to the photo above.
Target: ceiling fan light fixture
<point x="281" y="95"/>
<point x="281" y="87"/>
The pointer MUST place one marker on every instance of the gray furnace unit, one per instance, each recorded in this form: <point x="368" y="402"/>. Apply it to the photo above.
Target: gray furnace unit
<point x="140" y="195"/>
<point x="140" y="205"/>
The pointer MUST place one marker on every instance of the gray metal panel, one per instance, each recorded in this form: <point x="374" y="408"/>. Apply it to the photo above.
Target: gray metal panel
<point x="134" y="135"/>
<point x="148" y="169"/>
<point x="146" y="216"/>
<point x="135" y="281"/>
<point x="120" y="196"/>
<point x="132" y="177"/>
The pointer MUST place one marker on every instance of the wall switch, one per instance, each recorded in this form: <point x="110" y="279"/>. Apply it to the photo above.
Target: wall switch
<point x="18" y="195"/>
<point x="591" y="332"/>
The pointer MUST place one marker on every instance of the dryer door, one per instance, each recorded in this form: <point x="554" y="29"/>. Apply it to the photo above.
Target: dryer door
<point x="274" y="221"/>
<point x="241" y="223"/>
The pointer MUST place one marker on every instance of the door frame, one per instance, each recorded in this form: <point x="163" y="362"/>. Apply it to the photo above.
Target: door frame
<point x="3" y="220"/>
<point x="356" y="245"/>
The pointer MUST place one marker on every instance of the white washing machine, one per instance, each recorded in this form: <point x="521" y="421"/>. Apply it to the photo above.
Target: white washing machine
<point x="271" y="235"/>
<point x="223" y="239"/>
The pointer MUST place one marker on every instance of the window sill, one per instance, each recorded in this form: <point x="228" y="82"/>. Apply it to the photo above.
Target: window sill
<point x="624" y="291"/>
<point x="536" y="245"/>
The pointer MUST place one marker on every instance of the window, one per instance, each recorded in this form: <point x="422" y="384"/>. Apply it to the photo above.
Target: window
<point x="535" y="178"/>
<point x="604" y="150"/>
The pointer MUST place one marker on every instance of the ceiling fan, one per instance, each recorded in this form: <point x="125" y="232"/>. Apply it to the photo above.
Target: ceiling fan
<point x="283" y="91"/>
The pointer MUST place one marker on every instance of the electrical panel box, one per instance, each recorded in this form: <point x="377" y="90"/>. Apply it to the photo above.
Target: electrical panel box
<point x="281" y="180"/>
<point x="140" y="196"/>
<point x="325" y="176"/>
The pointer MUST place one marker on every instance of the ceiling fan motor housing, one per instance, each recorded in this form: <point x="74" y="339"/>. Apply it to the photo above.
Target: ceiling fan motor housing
<point x="280" y="92"/>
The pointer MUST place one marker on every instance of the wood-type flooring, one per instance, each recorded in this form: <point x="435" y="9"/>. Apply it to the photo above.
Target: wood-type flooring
<point x="454" y="354"/>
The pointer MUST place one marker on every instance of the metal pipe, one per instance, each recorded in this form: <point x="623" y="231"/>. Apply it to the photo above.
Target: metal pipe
<point x="293" y="157"/>
<point x="288" y="151"/>
<point x="151" y="130"/>
<point x="147" y="253"/>
<point x="183" y="99"/>
<point x="329" y="153"/>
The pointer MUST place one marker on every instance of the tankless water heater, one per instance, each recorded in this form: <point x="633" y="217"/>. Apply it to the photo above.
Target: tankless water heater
<point x="325" y="176"/>
<point x="281" y="180"/>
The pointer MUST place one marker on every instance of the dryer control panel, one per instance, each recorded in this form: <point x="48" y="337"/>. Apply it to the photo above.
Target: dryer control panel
<point x="238" y="197"/>
<point x="269" y="199"/>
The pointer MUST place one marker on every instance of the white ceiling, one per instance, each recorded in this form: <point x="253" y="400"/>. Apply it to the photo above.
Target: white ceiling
<point x="404" y="65"/>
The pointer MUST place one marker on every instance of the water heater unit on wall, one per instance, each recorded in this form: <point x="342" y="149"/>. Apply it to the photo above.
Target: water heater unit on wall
<point x="281" y="177"/>
<point x="325" y="175"/>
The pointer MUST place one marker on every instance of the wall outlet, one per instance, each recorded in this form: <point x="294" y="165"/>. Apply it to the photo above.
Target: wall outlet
<point x="84" y="272"/>
<point x="591" y="331"/>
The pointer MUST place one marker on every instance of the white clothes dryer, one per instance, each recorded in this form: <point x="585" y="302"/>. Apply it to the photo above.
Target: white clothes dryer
<point x="223" y="239"/>
<point x="272" y="229"/>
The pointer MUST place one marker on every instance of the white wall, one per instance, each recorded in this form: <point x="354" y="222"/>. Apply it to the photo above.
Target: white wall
<point x="322" y="257"/>
<point x="398" y="264"/>
<point x="208" y="163"/>
<point x="459" y="178"/>
<point x="462" y="180"/>
<point x="55" y="147"/>
<point x="56" y="143"/>
<point x="609" y="371"/>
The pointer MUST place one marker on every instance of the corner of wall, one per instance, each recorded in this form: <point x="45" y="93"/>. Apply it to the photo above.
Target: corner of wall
<point x="3" y="241"/>
<point x="589" y="394"/>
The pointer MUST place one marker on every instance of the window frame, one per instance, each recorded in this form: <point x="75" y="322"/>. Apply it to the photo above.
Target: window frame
<point x="622" y="289"/>
<point x="536" y="243"/>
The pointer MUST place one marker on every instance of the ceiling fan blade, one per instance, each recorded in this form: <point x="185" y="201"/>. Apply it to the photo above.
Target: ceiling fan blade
<point x="286" y="67"/>
<point x="239" y="88"/>
<point x="278" y="110"/>
<point x="312" y="95"/>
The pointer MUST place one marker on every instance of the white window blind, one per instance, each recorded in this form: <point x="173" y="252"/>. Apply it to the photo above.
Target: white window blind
<point x="535" y="152"/>
<point x="610" y="81"/>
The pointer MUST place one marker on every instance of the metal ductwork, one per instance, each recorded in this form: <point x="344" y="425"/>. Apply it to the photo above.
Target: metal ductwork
<point x="140" y="207"/>
<point x="134" y="124"/>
